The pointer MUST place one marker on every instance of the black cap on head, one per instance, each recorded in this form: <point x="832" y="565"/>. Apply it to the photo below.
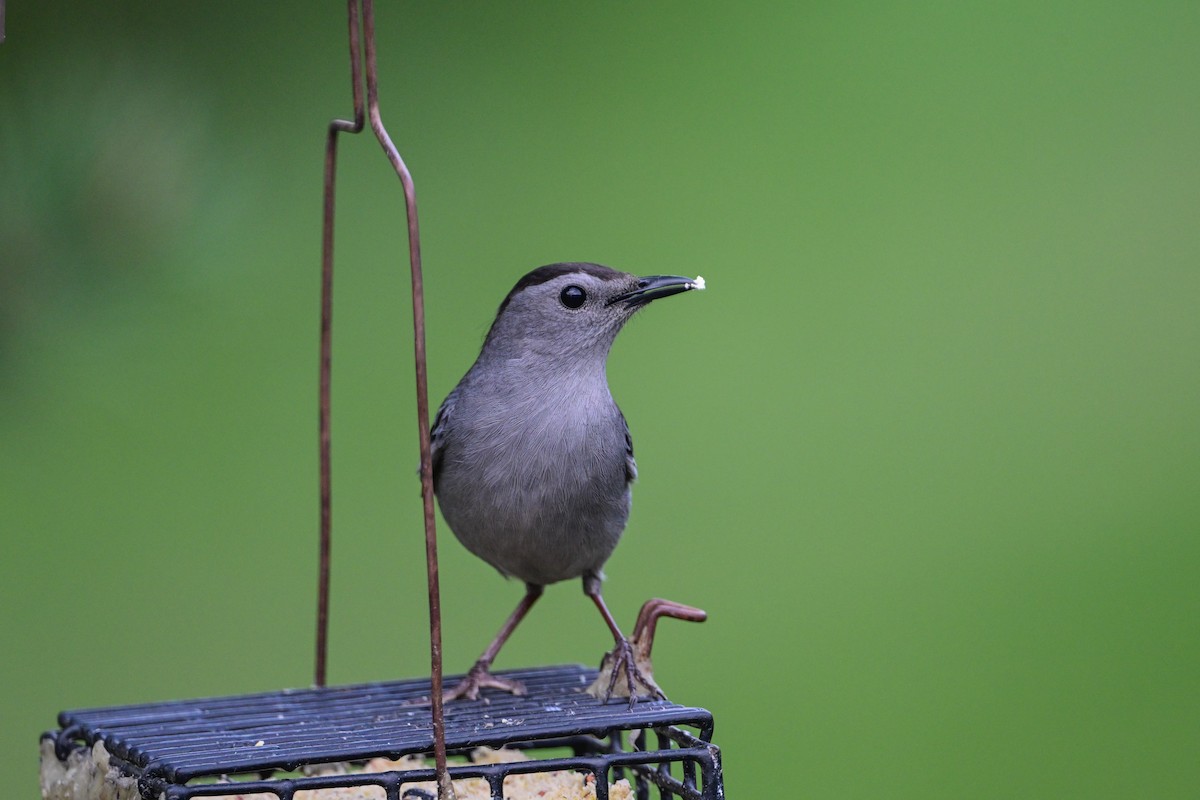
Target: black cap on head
<point x="552" y="271"/>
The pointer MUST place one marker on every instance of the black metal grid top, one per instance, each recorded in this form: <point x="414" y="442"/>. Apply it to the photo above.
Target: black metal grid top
<point x="285" y="730"/>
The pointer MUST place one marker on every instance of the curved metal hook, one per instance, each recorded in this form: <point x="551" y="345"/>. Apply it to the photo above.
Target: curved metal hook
<point x="652" y="609"/>
<point x="365" y="10"/>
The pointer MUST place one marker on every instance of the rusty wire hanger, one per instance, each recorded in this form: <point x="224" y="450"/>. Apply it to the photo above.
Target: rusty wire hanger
<point x="363" y="10"/>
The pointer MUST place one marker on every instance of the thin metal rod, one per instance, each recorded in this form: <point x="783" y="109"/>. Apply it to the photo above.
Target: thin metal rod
<point x="445" y="788"/>
<point x="652" y="609"/>
<point x="324" y="403"/>
<point x="365" y="9"/>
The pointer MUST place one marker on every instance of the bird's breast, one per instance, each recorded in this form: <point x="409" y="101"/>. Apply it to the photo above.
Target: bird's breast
<point x="537" y="488"/>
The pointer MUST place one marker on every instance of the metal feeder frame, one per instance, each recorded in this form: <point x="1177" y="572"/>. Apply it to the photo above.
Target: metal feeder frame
<point x="177" y="749"/>
<point x="276" y="742"/>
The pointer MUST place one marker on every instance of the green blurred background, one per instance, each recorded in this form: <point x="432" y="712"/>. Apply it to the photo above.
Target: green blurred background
<point x="927" y="450"/>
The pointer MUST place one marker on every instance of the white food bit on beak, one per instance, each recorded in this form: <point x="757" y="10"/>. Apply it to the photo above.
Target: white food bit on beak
<point x="697" y="284"/>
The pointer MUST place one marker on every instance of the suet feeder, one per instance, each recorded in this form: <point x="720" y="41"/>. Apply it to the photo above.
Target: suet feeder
<point x="299" y="744"/>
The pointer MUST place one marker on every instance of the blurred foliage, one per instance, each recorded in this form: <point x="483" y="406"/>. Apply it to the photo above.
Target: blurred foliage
<point x="927" y="450"/>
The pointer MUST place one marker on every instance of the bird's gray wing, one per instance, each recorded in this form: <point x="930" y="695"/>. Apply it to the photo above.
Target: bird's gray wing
<point x="630" y="464"/>
<point x="438" y="433"/>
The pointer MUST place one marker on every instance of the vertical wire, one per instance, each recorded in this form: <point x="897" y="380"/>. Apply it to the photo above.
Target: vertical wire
<point x="445" y="788"/>
<point x="326" y="358"/>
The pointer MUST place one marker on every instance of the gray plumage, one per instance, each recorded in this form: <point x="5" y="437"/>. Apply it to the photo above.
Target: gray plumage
<point x="533" y="462"/>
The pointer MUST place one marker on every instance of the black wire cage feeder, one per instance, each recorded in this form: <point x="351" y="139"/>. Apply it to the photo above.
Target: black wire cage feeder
<point x="267" y="742"/>
<point x="289" y="742"/>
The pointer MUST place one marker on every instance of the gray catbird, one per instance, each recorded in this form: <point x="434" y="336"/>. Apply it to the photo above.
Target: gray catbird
<point x="532" y="459"/>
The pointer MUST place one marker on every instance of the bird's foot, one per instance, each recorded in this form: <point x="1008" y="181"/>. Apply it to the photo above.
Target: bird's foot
<point x="625" y="672"/>
<point x="480" y="678"/>
<point x="630" y="659"/>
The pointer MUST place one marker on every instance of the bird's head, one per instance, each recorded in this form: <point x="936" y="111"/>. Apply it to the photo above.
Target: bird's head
<point x="574" y="309"/>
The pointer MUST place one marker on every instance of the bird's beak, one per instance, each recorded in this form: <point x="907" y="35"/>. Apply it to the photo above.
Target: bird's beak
<point x="655" y="286"/>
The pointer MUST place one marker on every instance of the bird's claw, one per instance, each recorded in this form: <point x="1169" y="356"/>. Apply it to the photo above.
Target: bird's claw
<point x="480" y="678"/>
<point x="632" y="656"/>
<point x="621" y="662"/>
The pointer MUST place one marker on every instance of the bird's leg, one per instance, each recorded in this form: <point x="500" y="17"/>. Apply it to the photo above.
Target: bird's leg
<point x="479" y="677"/>
<point x="622" y="654"/>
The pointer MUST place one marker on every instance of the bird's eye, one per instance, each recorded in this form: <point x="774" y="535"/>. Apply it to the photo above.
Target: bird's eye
<point x="573" y="297"/>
